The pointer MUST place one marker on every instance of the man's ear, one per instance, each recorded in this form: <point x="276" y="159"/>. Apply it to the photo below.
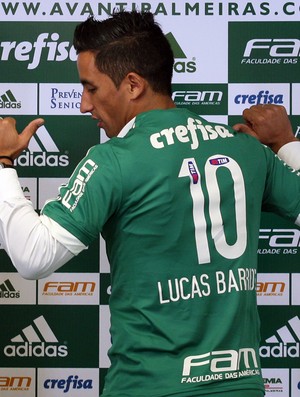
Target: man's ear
<point x="136" y="85"/>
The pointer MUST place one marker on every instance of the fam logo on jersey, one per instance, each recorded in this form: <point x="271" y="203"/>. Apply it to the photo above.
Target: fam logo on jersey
<point x="240" y="363"/>
<point x="36" y="340"/>
<point x="279" y="241"/>
<point x="182" y="64"/>
<point x="265" y="51"/>
<point x="42" y="151"/>
<point x="284" y="343"/>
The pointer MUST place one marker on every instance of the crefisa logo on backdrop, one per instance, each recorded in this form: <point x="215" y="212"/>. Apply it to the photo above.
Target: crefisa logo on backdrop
<point x="31" y="48"/>
<point x="241" y="96"/>
<point x="68" y="381"/>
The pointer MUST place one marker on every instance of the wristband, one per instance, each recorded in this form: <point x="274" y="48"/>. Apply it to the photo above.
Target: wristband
<point x="7" y="158"/>
<point x="3" y="165"/>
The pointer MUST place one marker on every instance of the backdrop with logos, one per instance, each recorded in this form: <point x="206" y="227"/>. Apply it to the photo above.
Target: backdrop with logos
<point x="229" y="55"/>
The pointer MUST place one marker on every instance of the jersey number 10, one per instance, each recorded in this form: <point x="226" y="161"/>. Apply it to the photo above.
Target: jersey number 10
<point x="189" y="169"/>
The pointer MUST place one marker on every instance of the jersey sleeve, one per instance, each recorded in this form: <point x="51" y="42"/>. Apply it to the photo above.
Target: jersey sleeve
<point x="282" y="191"/>
<point x="91" y="195"/>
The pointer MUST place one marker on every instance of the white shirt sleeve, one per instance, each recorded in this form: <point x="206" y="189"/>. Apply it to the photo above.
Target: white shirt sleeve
<point x="36" y="244"/>
<point x="290" y="154"/>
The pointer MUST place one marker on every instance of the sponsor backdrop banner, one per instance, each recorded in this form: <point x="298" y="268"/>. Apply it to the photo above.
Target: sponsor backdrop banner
<point x="228" y="56"/>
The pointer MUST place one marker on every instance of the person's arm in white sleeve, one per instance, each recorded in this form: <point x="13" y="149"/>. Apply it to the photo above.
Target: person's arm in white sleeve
<point x="271" y="126"/>
<point x="36" y="244"/>
<point x="290" y="154"/>
<point x="29" y="238"/>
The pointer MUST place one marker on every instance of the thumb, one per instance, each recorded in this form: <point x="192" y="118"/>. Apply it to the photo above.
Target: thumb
<point x="30" y="130"/>
<point x="244" y="128"/>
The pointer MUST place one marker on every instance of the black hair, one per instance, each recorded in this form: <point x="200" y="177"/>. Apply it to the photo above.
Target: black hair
<point x="128" y="42"/>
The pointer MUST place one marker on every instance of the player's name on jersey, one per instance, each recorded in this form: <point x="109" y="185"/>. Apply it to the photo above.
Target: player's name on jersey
<point x="185" y="288"/>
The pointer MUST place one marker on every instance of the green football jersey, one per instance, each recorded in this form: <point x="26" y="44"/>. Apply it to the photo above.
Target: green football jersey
<point x="178" y="201"/>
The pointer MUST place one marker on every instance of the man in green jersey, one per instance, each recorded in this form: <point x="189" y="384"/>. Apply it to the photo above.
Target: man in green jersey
<point x="178" y="202"/>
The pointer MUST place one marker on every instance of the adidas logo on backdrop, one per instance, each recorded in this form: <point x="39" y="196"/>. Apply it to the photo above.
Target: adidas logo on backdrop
<point x="8" y="101"/>
<point x="42" y="151"/>
<point x="36" y="340"/>
<point x="7" y="290"/>
<point x="285" y="342"/>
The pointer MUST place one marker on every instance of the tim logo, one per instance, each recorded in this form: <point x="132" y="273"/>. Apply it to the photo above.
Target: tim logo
<point x="193" y="172"/>
<point x="42" y="151"/>
<point x="219" y="161"/>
